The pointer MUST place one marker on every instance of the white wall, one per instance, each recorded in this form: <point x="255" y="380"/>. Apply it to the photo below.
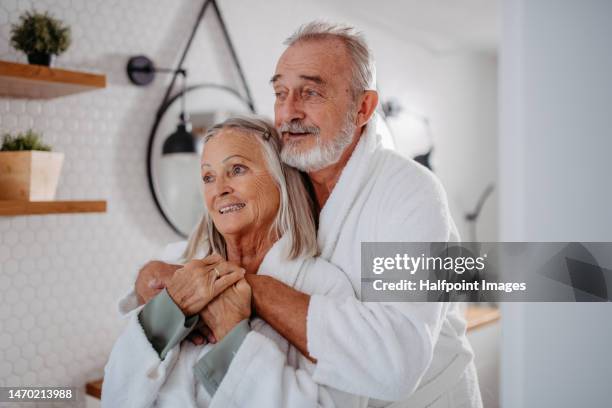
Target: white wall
<point x="465" y="133"/>
<point x="61" y="274"/>
<point x="555" y="166"/>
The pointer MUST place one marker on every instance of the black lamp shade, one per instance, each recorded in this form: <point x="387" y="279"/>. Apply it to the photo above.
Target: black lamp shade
<point x="181" y="141"/>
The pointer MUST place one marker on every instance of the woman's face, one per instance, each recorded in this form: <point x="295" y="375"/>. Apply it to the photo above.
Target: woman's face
<point x="240" y="194"/>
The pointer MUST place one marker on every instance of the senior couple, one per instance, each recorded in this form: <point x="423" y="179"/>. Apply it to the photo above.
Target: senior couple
<point x="268" y="285"/>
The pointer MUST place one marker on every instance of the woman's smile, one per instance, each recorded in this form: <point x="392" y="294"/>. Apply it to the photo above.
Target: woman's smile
<point x="230" y="208"/>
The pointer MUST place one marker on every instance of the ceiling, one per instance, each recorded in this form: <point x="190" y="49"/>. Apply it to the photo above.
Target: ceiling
<point x="441" y="26"/>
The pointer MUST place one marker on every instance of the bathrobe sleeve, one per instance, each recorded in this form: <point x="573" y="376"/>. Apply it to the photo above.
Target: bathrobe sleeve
<point x="134" y="372"/>
<point x="382" y="350"/>
<point x="259" y="373"/>
<point x="164" y="323"/>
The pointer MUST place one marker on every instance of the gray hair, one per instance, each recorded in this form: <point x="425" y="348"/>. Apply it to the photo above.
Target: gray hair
<point x="364" y="72"/>
<point x="295" y="216"/>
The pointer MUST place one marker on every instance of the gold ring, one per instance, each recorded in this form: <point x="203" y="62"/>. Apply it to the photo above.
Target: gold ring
<point x="217" y="274"/>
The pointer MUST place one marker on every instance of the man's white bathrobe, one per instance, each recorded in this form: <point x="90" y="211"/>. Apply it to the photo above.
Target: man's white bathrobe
<point x="136" y="377"/>
<point x="416" y="353"/>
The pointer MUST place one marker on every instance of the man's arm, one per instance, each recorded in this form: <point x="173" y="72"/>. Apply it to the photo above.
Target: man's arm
<point x="377" y="350"/>
<point x="283" y="308"/>
<point x="152" y="278"/>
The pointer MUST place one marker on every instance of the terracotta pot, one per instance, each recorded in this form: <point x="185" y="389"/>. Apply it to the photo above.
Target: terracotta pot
<point x="29" y="175"/>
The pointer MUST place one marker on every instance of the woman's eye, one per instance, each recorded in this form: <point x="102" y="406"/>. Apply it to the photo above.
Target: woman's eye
<point x="207" y="179"/>
<point x="238" y="169"/>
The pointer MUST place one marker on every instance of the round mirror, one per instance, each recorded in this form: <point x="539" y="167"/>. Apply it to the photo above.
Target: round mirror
<point x="174" y="178"/>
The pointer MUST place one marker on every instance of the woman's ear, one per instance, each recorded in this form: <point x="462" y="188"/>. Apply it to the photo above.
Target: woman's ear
<point x="367" y="106"/>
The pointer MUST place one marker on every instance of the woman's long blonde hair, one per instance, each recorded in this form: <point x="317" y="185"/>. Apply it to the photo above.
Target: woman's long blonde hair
<point x="296" y="213"/>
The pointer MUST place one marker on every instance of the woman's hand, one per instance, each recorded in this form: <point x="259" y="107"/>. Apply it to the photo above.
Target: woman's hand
<point x="228" y="309"/>
<point x="201" y="280"/>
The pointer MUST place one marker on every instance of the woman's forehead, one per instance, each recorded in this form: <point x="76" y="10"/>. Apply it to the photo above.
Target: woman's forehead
<point x="229" y="142"/>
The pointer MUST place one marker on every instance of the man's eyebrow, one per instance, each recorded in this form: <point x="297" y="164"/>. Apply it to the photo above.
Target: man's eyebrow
<point x="313" y="78"/>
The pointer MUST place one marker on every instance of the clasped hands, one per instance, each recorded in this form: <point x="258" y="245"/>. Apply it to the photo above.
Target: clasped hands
<point x="211" y="287"/>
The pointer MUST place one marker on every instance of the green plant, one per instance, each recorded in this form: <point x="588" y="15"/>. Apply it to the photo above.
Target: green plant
<point x="40" y="33"/>
<point x="29" y="140"/>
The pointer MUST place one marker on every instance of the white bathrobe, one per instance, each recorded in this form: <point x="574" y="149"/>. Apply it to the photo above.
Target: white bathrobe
<point x="136" y="377"/>
<point x="416" y="353"/>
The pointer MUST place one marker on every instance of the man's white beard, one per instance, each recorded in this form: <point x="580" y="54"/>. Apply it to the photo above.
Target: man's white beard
<point x="322" y="154"/>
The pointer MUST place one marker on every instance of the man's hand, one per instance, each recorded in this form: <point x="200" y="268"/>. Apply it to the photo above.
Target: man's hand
<point x="201" y="280"/>
<point x="152" y="278"/>
<point x="228" y="309"/>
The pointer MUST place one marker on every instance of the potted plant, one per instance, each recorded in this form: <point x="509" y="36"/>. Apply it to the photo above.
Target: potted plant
<point x="40" y="37"/>
<point x="29" y="171"/>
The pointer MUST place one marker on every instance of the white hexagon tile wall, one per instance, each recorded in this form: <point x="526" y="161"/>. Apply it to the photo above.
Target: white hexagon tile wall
<point x="61" y="275"/>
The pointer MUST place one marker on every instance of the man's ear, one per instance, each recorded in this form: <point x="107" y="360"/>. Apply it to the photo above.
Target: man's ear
<point x="367" y="106"/>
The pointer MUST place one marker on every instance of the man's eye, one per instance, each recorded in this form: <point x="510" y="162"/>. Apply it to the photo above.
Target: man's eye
<point x="280" y="94"/>
<point x="207" y="179"/>
<point x="312" y="92"/>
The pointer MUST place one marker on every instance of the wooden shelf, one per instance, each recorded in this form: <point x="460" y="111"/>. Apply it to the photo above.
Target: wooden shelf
<point x="10" y="208"/>
<point x="40" y="82"/>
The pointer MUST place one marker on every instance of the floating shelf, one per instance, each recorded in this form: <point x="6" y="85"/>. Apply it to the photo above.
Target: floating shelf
<point x="40" y="82"/>
<point x="10" y="208"/>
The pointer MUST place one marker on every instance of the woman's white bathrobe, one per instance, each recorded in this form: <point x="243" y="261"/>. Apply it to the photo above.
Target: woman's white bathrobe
<point x="136" y="377"/>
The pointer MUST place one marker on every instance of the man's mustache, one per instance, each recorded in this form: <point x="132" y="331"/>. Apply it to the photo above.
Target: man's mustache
<point x="298" y="127"/>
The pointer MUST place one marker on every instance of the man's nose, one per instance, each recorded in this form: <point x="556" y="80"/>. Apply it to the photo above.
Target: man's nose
<point x="292" y="109"/>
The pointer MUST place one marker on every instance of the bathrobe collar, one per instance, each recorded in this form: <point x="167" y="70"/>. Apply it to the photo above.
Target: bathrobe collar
<point x="351" y="183"/>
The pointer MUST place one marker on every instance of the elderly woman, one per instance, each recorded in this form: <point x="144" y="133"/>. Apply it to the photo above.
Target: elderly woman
<point x="259" y="216"/>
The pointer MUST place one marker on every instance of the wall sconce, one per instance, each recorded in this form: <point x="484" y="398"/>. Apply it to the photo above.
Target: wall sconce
<point x="141" y="71"/>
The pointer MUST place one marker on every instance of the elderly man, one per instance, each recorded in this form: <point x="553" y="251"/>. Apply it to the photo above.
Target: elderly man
<point x="416" y="354"/>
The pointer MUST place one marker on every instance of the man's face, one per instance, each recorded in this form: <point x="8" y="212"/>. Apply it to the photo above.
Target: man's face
<point x="314" y="108"/>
